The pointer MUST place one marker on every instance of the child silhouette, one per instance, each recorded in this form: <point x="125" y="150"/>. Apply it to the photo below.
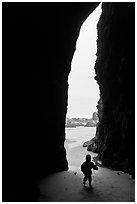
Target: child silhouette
<point x="86" y="168"/>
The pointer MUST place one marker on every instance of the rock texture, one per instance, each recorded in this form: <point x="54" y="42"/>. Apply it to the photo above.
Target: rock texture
<point x="38" y="45"/>
<point x="115" y="69"/>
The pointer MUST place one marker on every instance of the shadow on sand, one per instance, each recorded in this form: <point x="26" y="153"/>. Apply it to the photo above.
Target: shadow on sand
<point x="88" y="189"/>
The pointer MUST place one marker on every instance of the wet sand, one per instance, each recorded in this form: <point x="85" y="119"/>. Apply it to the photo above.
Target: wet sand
<point x="76" y="156"/>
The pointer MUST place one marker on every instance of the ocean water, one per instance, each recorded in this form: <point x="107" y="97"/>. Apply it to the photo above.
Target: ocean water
<point x="77" y="136"/>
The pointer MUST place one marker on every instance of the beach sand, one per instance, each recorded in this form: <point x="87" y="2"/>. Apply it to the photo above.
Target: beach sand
<point x="76" y="156"/>
<point x="107" y="185"/>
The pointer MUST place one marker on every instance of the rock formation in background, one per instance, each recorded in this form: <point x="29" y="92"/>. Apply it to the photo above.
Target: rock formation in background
<point x="76" y="122"/>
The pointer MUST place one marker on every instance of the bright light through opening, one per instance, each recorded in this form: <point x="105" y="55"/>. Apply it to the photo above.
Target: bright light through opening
<point x="83" y="92"/>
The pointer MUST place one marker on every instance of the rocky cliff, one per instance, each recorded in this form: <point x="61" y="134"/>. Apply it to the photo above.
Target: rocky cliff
<point x="39" y="41"/>
<point x="115" y="69"/>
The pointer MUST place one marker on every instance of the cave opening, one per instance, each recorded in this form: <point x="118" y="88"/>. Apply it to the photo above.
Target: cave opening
<point x="83" y="90"/>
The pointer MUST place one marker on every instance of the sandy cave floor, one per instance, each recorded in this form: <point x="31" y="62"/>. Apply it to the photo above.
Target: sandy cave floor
<point x="107" y="185"/>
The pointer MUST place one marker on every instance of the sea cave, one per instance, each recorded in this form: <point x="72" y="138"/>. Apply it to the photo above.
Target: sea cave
<point x="39" y="41"/>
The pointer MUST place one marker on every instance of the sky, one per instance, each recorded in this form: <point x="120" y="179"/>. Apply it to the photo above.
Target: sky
<point x="83" y="92"/>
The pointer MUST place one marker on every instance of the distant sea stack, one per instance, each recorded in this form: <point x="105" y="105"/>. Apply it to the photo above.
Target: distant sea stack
<point x="93" y="121"/>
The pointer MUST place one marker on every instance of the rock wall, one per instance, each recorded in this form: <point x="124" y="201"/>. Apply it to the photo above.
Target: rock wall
<point x="38" y="44"/>
<point x="115" y="74"/>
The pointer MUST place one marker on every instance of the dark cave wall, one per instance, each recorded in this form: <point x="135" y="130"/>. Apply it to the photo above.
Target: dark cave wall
<point x="38" y="44"/>
<point x="115" y="74"/>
